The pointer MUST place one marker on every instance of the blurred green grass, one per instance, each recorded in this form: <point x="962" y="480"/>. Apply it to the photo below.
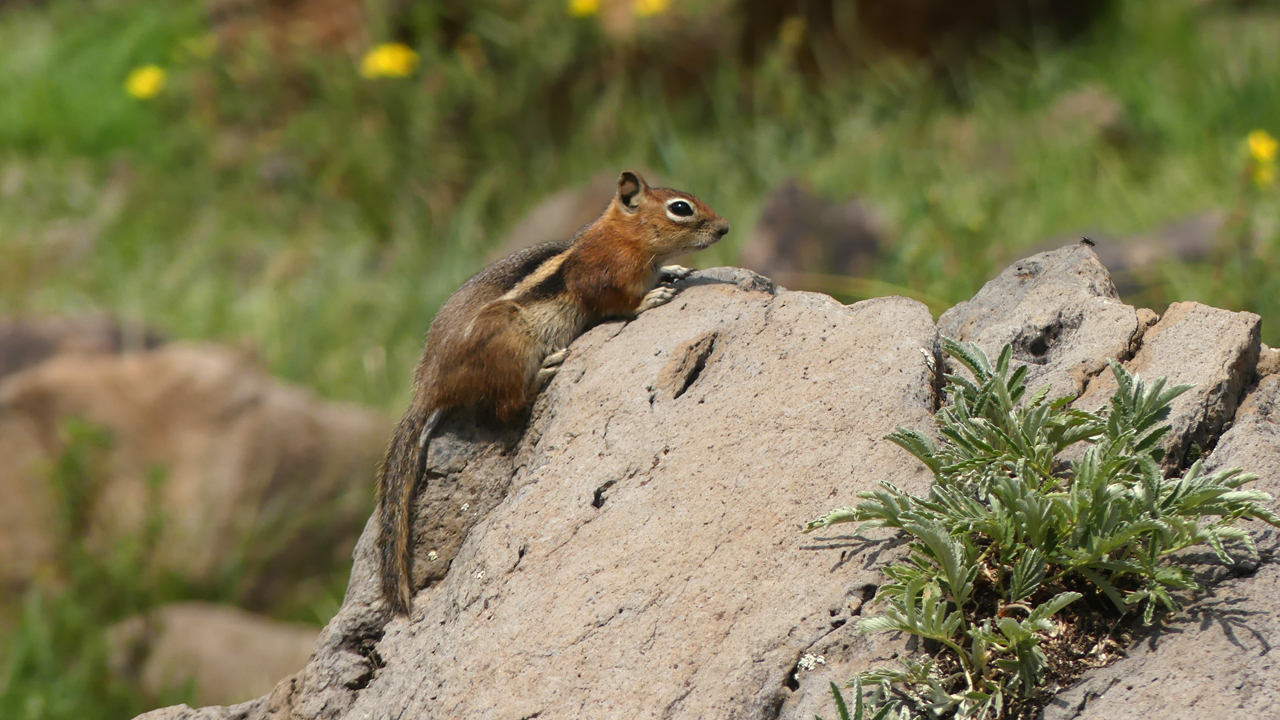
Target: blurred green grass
<point x="323" y="217"/>
<point x="283" y="202"/>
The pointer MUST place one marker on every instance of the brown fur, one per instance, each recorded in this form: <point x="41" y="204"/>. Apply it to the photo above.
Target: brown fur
<point x="488" y="343"/>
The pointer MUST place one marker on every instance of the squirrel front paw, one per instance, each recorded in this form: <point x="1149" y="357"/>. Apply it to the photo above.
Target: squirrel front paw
<point x="672" y="273"/>
<point x="660" y="295"/>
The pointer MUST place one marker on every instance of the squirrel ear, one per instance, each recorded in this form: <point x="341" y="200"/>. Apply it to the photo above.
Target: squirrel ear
<point x="631" y="187"/>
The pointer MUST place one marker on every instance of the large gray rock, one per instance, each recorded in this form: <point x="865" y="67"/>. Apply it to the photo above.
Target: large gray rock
<point x="1211" y="661"/>
<point x="646" y="557"/>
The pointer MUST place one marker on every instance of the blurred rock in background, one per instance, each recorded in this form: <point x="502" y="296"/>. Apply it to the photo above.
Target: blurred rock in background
<point x="801" y="236"/>
<point x="928" y="27"/>
<point x="1136" y="262"/>
<point x="228" y="654"/>
<point x="27" y="341"/>
<point x="244" y="473"/>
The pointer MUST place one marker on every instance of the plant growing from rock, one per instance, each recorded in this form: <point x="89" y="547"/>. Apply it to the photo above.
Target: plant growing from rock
<point x="1011" y="534"/>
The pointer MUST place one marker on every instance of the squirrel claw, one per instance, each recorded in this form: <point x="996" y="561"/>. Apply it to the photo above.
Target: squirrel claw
<point x="550" y="366"/>
<point x="660" y="295"/>
<point x="544" y="376"/>
<point x="555" y="359"/>
<point x="672" y="273"/>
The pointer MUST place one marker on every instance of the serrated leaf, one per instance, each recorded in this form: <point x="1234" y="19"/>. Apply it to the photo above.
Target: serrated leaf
<point x="1053" y="605"/>
<point x="1106" y="587"/>
<point x="1028" y="573"/>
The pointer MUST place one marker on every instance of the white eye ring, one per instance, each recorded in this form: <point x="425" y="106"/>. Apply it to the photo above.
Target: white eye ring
<point x="680" y="210"/>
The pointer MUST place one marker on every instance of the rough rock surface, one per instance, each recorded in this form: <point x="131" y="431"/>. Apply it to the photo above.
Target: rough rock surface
<point x="642" y="560"/>
<point x="231" y="655"/>
<point x="1215" y="351"/>
<point x="244" y="463"/>
<point x="1060" y="312"/>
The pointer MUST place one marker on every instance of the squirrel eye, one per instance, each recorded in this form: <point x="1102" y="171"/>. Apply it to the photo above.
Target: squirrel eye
<point x="681" y="208"/>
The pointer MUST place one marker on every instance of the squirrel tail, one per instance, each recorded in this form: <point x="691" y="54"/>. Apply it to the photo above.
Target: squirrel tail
<point x="403" y="467"/>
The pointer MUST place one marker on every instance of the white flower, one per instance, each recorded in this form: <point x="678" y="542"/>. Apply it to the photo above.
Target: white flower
<point x="810" y="661"/>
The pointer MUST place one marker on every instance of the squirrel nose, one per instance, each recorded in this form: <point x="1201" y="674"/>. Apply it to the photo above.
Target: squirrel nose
<point x="723" y="229"/>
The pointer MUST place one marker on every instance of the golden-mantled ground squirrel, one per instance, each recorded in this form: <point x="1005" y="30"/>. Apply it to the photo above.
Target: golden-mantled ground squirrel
<point x="504" y="333"/>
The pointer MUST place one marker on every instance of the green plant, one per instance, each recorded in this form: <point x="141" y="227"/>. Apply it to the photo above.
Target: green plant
<point x="1011" y="534"/>
<point x="885" y="712"/>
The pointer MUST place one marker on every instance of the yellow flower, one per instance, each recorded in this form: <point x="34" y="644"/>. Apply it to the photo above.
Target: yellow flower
<point x="145" y="82"/>
<point x="1262" y="146"/>
<point x="1264" y="174"/>
<point x="648" y="8"/>
<point x="389" y="60"/>
<point x="583" y="8"/>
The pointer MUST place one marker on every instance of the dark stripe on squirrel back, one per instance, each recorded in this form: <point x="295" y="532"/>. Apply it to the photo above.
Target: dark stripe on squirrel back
<point x="509" y="271"/>
<point x="549" y="287"/>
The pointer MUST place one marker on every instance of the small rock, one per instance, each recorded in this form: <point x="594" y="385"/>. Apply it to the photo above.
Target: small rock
<point x="230" y="655"/>
<point x="1060" y="312"/>
<point x="1215" y="351"/>
<point x="1268" y="360"/>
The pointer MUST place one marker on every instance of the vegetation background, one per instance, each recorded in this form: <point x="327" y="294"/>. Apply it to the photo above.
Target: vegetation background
<point x="248" y="172"/>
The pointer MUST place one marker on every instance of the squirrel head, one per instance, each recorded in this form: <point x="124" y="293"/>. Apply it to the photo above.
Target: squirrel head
<point x="669" y="222"/>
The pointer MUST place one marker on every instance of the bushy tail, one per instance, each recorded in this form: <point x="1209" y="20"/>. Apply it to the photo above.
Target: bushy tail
<point x="404" y="464"/>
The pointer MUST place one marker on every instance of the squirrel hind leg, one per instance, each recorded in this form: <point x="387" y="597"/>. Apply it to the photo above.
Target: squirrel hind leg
<point x="500" y="361"/>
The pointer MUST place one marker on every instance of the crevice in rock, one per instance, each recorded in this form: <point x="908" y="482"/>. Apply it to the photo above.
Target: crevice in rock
<point x="364" y="642"/>
<point x="703" y="351"/>
<point x="939" y="368"/>
<point x="774" y="710"/>
<point x="1087" y="372"/>
<point x="598" y="501"/>
<point x="674" y="706"/>
<point x="687" y="362"/>
<point x="792" y="682"/>
<point x="1034" y="344"/>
